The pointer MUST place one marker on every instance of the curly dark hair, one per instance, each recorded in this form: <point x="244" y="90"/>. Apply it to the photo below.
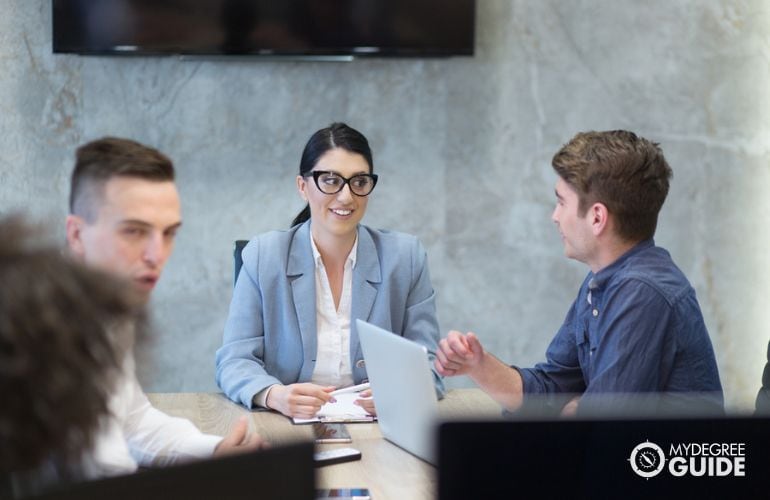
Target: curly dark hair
<point x="59" y="351"/>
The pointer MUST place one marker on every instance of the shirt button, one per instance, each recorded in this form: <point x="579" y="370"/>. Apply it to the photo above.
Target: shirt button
<point x="360" y="363"/>
<point x="595" y="312"/>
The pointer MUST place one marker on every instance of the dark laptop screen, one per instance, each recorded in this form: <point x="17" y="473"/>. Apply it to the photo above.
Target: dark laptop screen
<point x="694" y="458"/>
<point x="285" y="472"/>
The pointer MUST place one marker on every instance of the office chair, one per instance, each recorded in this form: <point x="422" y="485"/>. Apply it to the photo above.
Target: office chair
<point x="237" y="259"/>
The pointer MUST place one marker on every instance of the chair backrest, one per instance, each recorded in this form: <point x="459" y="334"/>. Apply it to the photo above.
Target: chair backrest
<point x="237" y="259"/>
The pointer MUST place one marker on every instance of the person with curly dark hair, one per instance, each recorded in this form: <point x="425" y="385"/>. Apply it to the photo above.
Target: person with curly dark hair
<point x="59" y="360"/>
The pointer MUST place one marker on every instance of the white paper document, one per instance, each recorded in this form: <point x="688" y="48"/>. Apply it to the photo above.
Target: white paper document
<point x="342" y="411"/>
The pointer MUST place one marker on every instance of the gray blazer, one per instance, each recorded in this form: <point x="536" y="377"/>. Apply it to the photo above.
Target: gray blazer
<point x="270" y="335"/>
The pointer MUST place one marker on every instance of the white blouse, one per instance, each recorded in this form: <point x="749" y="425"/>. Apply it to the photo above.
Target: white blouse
<point x="332" y="366"/>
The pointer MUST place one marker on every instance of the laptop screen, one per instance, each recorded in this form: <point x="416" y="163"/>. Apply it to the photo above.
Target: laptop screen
<point x="285" y="472"/>
<point x="403" y="387"/>
<point x="695" y="458"/>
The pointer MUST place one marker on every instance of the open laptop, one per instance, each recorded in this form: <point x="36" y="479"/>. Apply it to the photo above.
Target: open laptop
<point x="285" y="472"/>
<point x="694" y="457"/>
<point x="403" y="388"/>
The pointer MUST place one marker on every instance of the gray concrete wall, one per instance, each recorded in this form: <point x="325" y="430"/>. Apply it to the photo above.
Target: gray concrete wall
<point x="463" y="147"/>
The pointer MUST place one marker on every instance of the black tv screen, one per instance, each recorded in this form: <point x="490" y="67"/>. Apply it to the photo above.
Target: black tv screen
<point x="401" y="28"/>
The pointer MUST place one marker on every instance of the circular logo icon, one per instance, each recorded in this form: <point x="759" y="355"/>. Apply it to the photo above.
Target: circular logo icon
<point x="647" y="459"/>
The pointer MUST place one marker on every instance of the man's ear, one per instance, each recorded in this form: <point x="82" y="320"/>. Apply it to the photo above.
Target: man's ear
<point x="600" y="218"/>
<point x="301" y="187"/>
<point x="74" y="226"/>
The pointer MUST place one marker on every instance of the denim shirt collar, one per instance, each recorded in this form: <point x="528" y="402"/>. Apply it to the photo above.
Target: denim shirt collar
<point x="597" y="280"/>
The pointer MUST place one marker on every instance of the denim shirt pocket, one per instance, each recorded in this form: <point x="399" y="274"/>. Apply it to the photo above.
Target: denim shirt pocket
<point x="584" y="347"/>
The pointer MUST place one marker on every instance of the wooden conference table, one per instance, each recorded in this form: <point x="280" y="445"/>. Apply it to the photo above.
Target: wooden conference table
<point x="387" y="470"/>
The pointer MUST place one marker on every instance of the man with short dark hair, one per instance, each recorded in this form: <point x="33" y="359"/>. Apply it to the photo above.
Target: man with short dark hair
<point x="636" y="326"/>
<point x="124" y="209"/>
<point x="125" y="213"/>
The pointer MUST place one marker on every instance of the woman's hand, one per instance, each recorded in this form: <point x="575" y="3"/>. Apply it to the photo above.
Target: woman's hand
<point x="366" y="401"/>
<point x="299" y="400"/>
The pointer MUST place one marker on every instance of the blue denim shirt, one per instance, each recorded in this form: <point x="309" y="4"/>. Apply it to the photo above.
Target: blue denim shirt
<point x="635" y="327"/>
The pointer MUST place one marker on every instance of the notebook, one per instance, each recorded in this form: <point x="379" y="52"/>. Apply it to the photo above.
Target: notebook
<point x="403" y="388"/>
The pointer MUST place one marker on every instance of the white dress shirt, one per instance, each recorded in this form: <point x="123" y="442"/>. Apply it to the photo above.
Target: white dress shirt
<point x="332" y="362"/>
<point x="138" y="434"/>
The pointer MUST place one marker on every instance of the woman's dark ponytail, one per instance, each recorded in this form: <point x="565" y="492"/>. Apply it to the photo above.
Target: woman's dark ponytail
<point x="301" y="217"/>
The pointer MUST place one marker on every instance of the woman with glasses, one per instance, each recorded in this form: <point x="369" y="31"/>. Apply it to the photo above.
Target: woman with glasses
<point x="290" y="337"/>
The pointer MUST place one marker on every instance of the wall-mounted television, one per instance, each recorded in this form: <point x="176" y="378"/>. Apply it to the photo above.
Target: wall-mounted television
<point x="293" y="28"/>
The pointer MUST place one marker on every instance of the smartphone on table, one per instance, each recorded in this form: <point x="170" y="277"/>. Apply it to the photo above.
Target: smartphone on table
<point x="331" y="433"/>
<point x="335" y="456"/>
<point x="344" y="494"/>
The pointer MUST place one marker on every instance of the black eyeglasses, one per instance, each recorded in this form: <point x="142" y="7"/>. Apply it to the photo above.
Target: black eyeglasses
<point x="332" y="182"/>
